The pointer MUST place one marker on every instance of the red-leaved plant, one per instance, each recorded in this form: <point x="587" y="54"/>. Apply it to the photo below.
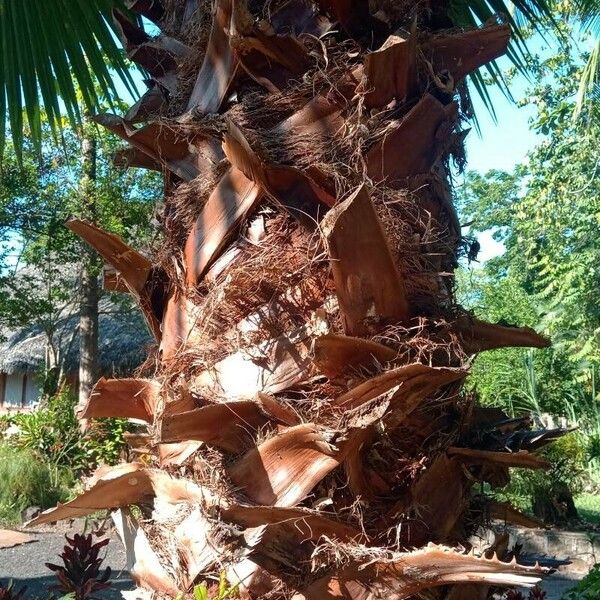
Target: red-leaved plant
<point x="80" y="574"/>
<point x="8" y="592"/>
<point x="535" y="593"/>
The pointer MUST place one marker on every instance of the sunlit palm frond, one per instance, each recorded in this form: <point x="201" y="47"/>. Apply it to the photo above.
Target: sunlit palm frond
<point x="54" y="56"/>
<point x="53" y="50"/>
<point x="588" y="11"/>
<point x="519" y="14"/>
<point x="589" y="85"/>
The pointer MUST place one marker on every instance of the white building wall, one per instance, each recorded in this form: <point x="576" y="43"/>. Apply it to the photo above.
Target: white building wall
<point x="33" y="391"/>
<point x="14" y="390"/>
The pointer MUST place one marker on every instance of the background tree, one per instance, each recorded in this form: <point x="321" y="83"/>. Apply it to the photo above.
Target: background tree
<point x="90" y="269"/>
<point x="42" y="260"/>
<point x="546" y="215"/>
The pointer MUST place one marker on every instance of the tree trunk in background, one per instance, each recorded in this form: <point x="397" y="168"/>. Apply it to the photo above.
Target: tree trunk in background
<point x="307" y="432"/>
<point x="90" y="266"/>
<point x="52" y="368"/>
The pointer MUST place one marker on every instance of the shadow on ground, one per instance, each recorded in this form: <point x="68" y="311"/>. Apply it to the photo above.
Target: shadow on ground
<point x="39" y="588"/>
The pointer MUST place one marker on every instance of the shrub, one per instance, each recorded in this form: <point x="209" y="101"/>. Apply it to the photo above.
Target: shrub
<point x="52" y="431"/>
<point x="5" y="422"/>
<point x="80" y="574"/>
<point x="567" y="476"/>
<point x="25" y="481"/>
<point x="588" y="508"/>
<point x="105" y="441"/>
<point x="49" y="454"/>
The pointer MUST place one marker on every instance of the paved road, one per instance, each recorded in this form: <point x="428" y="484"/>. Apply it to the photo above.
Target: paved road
<point x="555" y="586"/>
<point x="25" y="565"/>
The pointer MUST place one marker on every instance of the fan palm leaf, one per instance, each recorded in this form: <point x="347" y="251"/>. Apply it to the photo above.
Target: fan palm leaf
<point x="55" y="56"/>
<point x="589" y="12"/>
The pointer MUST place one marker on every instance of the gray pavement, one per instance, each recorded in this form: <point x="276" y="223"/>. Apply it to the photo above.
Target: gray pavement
<point x="556" y="585"/>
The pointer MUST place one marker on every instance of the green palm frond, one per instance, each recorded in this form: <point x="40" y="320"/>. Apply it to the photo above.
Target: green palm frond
<point x="589" y="85"/>
<point x="588" y="11"/>
<point x="55" y="55"/>
<point x="519" y="14"/>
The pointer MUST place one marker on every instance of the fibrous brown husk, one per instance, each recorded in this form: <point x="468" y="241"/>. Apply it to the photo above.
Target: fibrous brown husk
<point x="307" y="428"/>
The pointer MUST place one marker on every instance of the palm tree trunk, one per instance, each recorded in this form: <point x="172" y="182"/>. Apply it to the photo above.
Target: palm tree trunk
<point x="307" y="430"/>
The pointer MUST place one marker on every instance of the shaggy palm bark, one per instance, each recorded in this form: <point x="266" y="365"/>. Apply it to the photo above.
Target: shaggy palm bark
<point x="306" y="429"/>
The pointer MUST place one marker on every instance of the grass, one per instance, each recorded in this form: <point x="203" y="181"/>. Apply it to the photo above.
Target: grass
<point x="25" y="481"/>
<point x="588" y="506"/>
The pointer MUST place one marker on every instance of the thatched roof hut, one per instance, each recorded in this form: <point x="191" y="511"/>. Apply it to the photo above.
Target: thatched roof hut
<point x="123" y="344"/>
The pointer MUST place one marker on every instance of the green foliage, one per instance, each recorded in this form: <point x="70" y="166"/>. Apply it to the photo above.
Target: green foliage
<point x="50" y="439"/>
<point x="515" y="379"/>
<point x="588" y="12"/>
<point x="39" y="195"/>
<point x="40" y="258"/>
<point x="201" y="592"/>
<point x="583" y="410"/>
<point x="521" y="15"/>
<point x="588" y="588"/>
<point x="105" y="441"/>
<point x="53" y="432"/>
<point x="546" y="214"/>
<point x="223" y="592"/>
<point x="588" y="508"/>
<point x="25" y="480"/>
<point x="567" y="457"/>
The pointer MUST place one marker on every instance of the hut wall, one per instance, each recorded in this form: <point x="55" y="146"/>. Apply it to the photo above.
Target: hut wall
<point x="14" y="390"/>
<point x="32" y="391"/>
<point x="20" y="390"/>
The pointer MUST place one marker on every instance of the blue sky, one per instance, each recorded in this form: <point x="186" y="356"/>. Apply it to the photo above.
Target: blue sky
<point x="501" y="145"/>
